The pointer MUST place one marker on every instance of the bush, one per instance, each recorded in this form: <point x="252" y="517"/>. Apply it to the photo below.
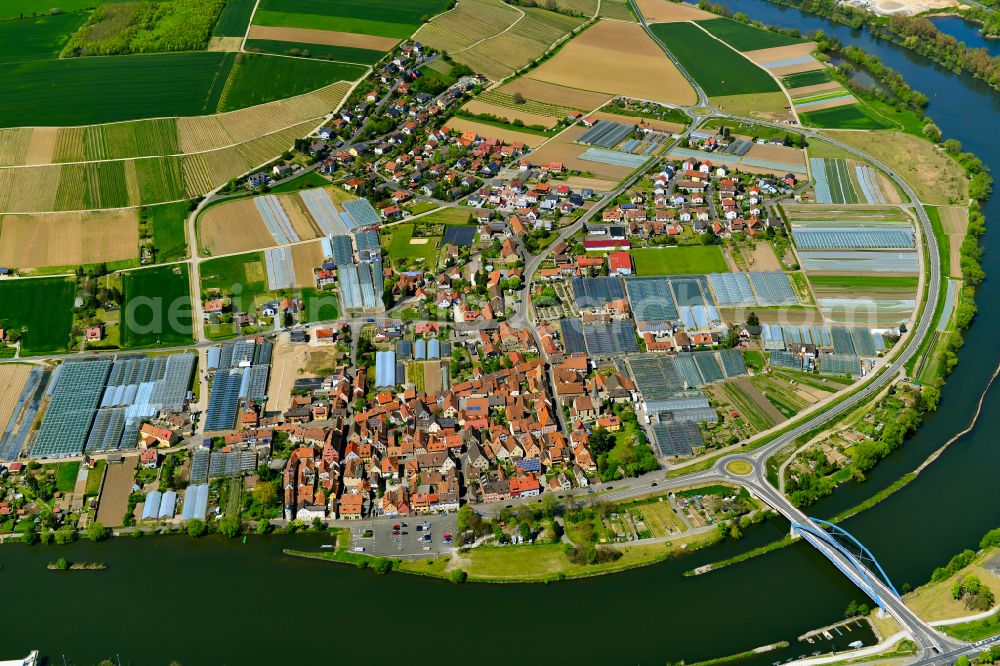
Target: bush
<point x="458" y="577"/>
<point x="382" y="566"/>
<point x="196" y="528"/>
<point x="98" y="532"/>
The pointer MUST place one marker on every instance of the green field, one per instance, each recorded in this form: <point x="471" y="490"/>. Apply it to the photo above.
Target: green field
<point x="719" y="70"/>
<point x="851" y="116"/>
<point x="803" y="79"/>
<point x="66" y="476"/>
<point x="308" y="180"/>
<point x="315" y="51"/>
<point x="447" y="216"/>
<point x="42" y="308"/>
<point x="234" y="19"/>
<point x="157" y="308"/>
<point x="40" y="38"/>
<point x="166" y="224"/>
<point x="141" y="138"/>
<point x="242" y="276"/>
<point x="11" y="9"/>
<point x="319" y="305"/>
<point x="80" y="91"/>
<point x="366" y="18"/>
<point x="870" y="282"/>
<point x="743" y="37"/>
<point x="680" y="260"/>
<point x="286" y="77"/>
<point x="160" y="179"/>
<point x="396" y="241"/>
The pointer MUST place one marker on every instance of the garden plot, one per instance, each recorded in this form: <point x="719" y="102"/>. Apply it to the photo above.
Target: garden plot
<point x="306" y="257"/>
<point x="833" y="181"/>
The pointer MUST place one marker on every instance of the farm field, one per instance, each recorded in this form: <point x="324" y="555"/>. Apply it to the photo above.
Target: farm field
<point x="616" y="59"/>
<point x="157" y="307"/>
<point x="234" y="19"/>
<point x="12" y="379"/>
<point x="509" y="114"/>
<point x="501" y="56"/>
<point x="744" y="37"/>
<point x="852" y="116"/>
<point x="563" y="149"/>
<point x="810" y="78"/>
<point x="656" y="11"/>
<point x="366" y="18"/>
<point x="286" y="77"/>
<point x="306" y="257"/>
<point x="42" y="308"/>
<point x="166" y="224"/>
<point x="718" y="69"/>
<point x="680" y="260"/>
<point x="493" y="132"/>
<point x="39" y="38"/>
<point x="241" y="276"/>
<point x="320" y="51"/>
<point x="467" y="23"/>
<point x="619" y="10"/>
<point x="767" y="106"/>
<point x="934" y="176"/>
<point x="61" y="239"/>
<point x="143" y="86"/>
<point x="237" y="226"/>
<point x="329" y="38"/>
<point x="556" y="95"/>
<point x="952" y="222"/>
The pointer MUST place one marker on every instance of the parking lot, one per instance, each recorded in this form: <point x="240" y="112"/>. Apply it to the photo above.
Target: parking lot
<point x="410" y="540"/>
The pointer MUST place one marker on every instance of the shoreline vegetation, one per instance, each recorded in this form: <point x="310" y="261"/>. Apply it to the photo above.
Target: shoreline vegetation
<point x="62" y="564"/>
<point x="915" y="33"/>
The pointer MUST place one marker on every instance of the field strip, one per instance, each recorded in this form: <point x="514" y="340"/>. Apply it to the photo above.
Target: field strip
<point x="507" y="29"/>
<point x="246" y="33"/>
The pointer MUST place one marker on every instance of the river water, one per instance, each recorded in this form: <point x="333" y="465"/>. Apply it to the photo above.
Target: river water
<point x="967" y="32"/>
<point x="213" y="601"/>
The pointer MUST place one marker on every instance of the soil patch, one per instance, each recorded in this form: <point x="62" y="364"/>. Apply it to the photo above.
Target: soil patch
<point x="664" y="11"/>
<point x="12" y="379"/>
<point x="773" y="153"/>
<point x="540" y="91"/>
<point x="41" y="146"/>
<point x="306" y="257"/>
<point x="477" y="107"/>
<point x="765" y="406"/>
<point x="233" y="227"/>
<point x="491" y="132"/>
<point x="117" y="488"/>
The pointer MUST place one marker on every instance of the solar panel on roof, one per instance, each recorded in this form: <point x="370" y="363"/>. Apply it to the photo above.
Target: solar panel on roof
<point x="596" y="292"/>
<point x="460" y="235"/>
<point x="677" y="439"/>
<point x="650" y="299"/>
<point x="610" y="339"/>
<point x="572" y="336"/>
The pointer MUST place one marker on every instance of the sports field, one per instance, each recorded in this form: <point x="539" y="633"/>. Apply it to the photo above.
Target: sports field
<point x="399" y="243"/>
<point x="718" y="69"/>
<point x="166" y="224"/>
<point x="681" y="260"/>
<point x="617" y="59"/>
<point x="285" y="77"/>
<point x="744" y="37"/>
<point x="157" y="307"/>
<point x="386" y="18"/>
<point x="319" y="305"/>
<point x="42" y="309"/>
<point x="68" y="239"/>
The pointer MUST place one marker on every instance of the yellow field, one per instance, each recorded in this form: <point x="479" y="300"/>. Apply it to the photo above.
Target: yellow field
<point x="306" y="257"/>
<point x="550" y="93"/>
<point x="63" y="239"/>
<point x="665" y="11"/>
<point x="489" y="131"/>
<point x="13" y="146"/>
<point x="617" y="59"/>
<point x="477" y="107"/>
<point x="237" y="226"/>
<point x="328" y="37"/>
<point x="469" y="22"/>
<point x="42" y="146"/>
<point x="12" y="379"/>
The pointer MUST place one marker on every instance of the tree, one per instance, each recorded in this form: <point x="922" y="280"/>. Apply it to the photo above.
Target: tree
<point x="518" y="98"/>
<point x="265" y="493"/>
<point x="458" y="576"/>
<point x="98" y="532"/>
<point x="231" y="525"/>
<point x="753" y="319"/>
<point x="382" y="566"/>
<point x="196" y="528"/>
<point x="65" y="534"/>
<point x="601" y="441"/>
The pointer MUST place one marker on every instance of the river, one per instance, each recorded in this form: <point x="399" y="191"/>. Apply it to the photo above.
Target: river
<point x="967" y="32"/>
<point x="213" y="601"/>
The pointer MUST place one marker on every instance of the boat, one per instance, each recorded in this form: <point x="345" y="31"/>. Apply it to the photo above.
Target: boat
<point x="30" y="660"/>
<point x="854" y="645"/>
<point x="327" y="545"/>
